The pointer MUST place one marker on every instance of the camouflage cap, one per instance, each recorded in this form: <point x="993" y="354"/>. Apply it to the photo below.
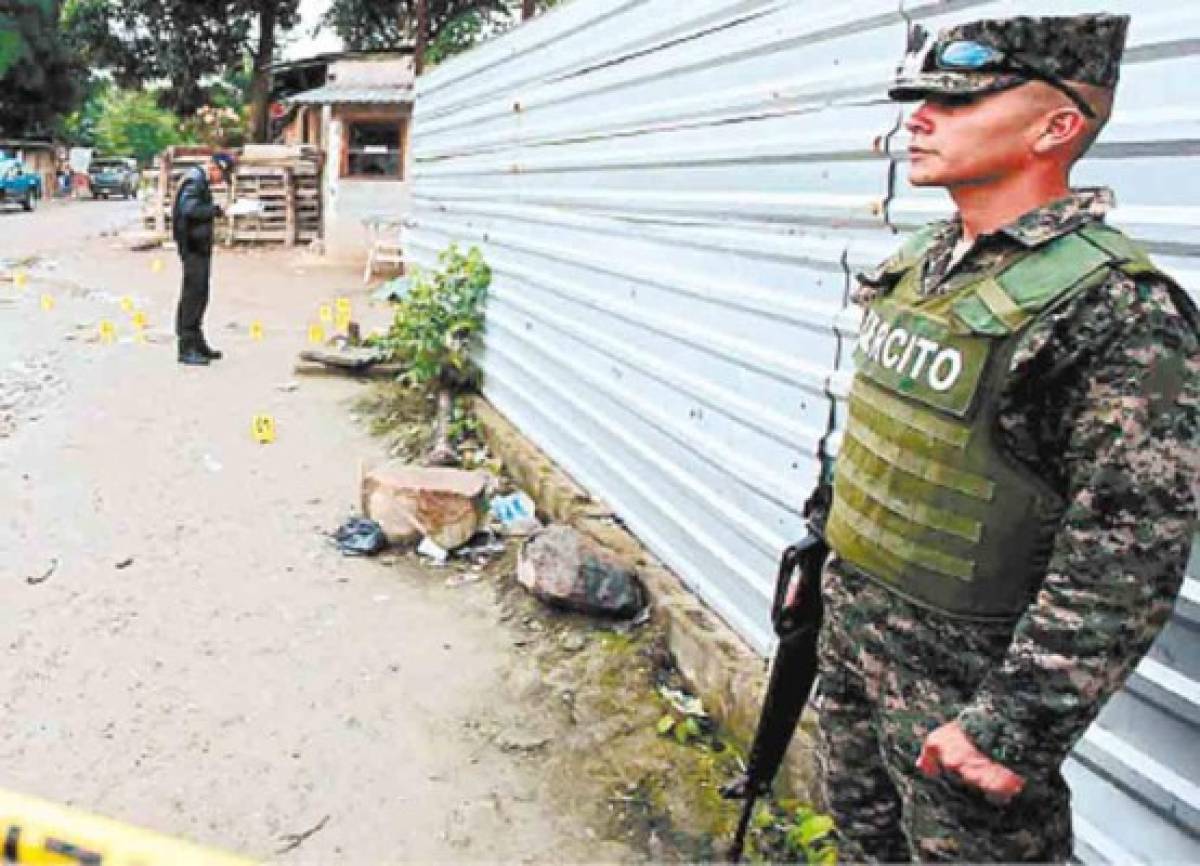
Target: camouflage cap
<point x="1083" y="48"/>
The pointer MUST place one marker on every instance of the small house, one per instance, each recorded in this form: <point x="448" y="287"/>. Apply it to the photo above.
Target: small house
<point x="360" y="119"/>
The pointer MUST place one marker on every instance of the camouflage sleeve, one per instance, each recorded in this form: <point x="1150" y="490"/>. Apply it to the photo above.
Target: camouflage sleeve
<point x="1129" y="466"/>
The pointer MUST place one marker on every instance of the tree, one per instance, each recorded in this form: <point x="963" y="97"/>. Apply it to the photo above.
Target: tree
<point x="40" y="79"/>
<point x="131" y="123"/>
<point x="385" y="25"/>
<point x="142" y="42"/>
<point x="271" y="16"/>
<point x="183" y="42"/>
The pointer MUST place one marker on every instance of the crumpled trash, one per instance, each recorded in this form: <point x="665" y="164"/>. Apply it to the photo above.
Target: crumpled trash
<point x="433" y="551"/>
<point x="482" y="545"/>
<point x="516" y="513"/>
<point x="360" y="536"/>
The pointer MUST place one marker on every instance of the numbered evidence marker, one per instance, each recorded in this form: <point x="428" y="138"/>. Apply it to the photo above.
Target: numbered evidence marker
<point x="139" y="327"/>
<point x="47" y="302"/>
<point x="316" y="335"/>
<point x="108" y="332"/>
<point x="263" y="428"/>
<point x="127" y="304"/>
<point x="156" y="266"/>
<point x="256" y="331"/>
<point x="342" y="308"/>
<point x="326" y="314"/>
<point x="20" y="278"/>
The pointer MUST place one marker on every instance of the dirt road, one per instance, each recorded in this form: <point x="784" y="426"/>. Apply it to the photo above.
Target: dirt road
<point x="182" y="649"/>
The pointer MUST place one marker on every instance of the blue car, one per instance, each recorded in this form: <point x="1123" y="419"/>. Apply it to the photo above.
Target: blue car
<point x="19" y="185"/>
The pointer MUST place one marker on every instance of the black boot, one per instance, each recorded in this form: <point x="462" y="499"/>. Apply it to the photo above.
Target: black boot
<point x="192" y="355"/>
<point x="207" y="350"/>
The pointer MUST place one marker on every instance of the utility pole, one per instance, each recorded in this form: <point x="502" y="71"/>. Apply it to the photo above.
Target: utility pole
<point x="422" y="36"/>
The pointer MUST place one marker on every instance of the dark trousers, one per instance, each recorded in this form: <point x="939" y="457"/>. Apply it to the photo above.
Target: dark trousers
<point x="193" y="299"/>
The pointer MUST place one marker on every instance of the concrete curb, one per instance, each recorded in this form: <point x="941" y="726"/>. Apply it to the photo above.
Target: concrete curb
<point x="715" y="662"/>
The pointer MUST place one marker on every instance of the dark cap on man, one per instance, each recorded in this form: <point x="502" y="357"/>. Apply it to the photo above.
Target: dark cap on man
<point x="991" y="55"/>
<point x="225" y="162"/>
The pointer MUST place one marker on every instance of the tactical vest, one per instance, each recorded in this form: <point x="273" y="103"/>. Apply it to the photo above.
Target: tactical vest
<point x="926" y="500"/>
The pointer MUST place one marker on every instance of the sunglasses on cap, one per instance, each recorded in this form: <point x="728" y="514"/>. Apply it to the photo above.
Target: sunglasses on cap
<point x="964" y="55"/>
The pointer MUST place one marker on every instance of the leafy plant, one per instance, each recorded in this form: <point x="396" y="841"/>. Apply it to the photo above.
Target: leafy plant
<point x="434" y="329"/>
<point x="794" y="833"/>
<point x="463" y="424"/>
<point x="437" y="322"/>
<point x="685" y="718"/>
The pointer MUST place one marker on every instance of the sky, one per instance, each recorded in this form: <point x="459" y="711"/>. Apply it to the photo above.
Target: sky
<point x="300" y="43"/>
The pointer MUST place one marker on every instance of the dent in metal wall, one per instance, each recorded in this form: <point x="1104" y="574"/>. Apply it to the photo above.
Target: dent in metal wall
<point x="674" y="197"/>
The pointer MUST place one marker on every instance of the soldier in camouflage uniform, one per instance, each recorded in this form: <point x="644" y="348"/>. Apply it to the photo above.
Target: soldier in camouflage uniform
<point x="1013" y="504"/>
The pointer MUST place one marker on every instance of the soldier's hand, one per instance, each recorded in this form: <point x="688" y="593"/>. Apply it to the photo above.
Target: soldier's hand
<point x="950" y="750"/>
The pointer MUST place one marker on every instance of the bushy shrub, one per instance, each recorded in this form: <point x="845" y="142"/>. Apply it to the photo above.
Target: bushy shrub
<point x="437" y="322"/>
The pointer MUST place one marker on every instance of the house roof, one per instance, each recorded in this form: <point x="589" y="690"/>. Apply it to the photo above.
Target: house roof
<point x="25" y="144"/>
<point x="359" y="95"/>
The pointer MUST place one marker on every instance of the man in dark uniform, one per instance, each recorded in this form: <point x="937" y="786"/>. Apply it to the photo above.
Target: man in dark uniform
<point x="192" y="225"/>
<point x="1013" y="503"/>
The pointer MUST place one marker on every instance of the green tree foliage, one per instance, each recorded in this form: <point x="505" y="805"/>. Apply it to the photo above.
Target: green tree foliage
<point x="185" y="43"/>
<point x="40" y="78"/>
<point x="454" y="25"/>
<point x="130" y="123"/>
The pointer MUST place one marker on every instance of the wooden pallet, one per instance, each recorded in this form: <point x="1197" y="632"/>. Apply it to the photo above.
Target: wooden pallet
<point x="285" y="179"/>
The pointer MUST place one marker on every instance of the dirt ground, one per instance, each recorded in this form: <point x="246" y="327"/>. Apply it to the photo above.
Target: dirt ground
<point x="183" y="649"/>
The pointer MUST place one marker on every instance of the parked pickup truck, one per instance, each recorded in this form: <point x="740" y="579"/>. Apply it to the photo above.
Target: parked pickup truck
<point x="113" y="176"/>
<point x="18" y="185"/>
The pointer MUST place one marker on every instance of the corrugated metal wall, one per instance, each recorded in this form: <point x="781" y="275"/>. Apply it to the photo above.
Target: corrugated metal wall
<point x="673" y="197"/>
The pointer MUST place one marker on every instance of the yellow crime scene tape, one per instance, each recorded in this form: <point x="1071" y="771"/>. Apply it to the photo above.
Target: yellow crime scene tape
<point x="40" y="833"/>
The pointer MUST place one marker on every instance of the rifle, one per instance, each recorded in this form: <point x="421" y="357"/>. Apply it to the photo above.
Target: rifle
<point x="796" y="613"/>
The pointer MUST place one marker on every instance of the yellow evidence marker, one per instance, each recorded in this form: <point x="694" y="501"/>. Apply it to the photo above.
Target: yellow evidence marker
<point x="139" y="319"/>
<point x="156" y="266"/>
<point x="326" y="314"/>
<point x="20" y="278"/>
<point x="342" y="319"/>
<point x="127" y="304"/>
<point x="108" y="332"/>
<point x="263" y="428"/>
<point x="316" y="335"/>
<point x="47" y="302"/>
<point x="256" y="331"/>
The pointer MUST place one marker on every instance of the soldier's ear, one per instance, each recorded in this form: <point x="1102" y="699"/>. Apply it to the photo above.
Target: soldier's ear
<point x="1063" y="129"/>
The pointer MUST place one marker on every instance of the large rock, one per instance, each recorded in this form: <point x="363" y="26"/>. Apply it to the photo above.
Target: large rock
<point x="564" y="569"/>
<point x="445" y="505"/>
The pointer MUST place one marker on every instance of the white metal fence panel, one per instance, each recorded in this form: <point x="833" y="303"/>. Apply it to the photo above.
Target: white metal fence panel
<point x="674" y="197"/>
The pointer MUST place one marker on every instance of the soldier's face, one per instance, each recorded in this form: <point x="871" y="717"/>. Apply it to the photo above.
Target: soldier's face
<point x="962" y="141"/>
